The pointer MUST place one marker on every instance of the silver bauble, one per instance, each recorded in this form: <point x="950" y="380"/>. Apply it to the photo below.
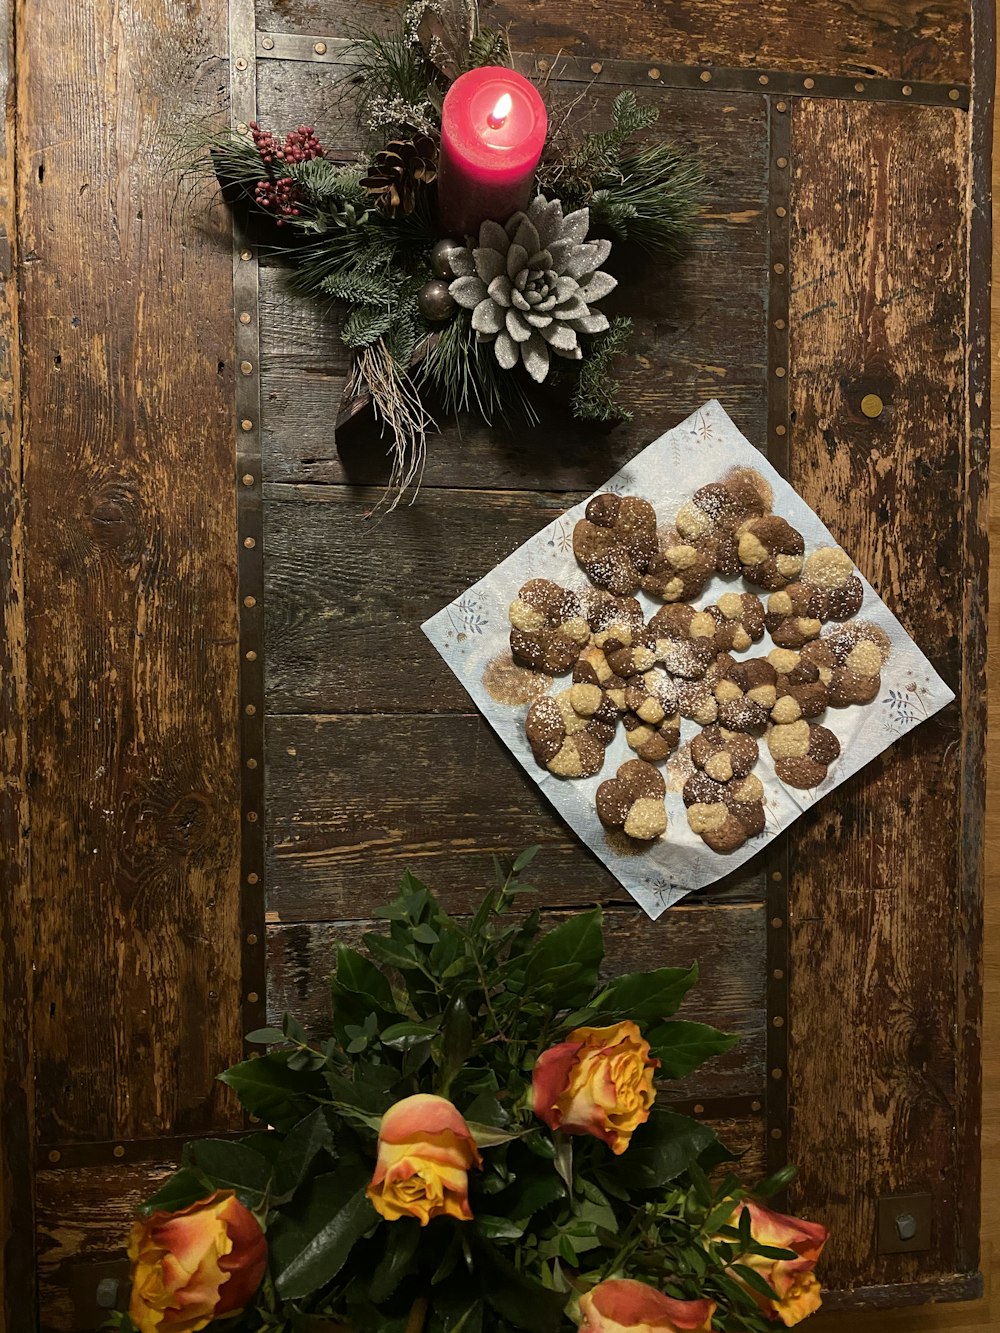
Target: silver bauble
<point x="440" y="257"/>
<point x="436" y="301"/>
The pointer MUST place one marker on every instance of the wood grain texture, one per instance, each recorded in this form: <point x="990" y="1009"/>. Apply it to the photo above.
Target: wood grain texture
<point x="727" y="943"/>
<point x="132" y="596"/>
<point x="878" y="306"/>
<point x="692" y="340"/>
<point x="17" y="1286"/>
<point x="84" y="1217"/>
<point x="355" y="800"/>
<point x="908" y="39"/>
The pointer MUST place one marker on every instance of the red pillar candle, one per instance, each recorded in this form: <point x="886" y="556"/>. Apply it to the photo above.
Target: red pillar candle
<point x="492" y="133"/>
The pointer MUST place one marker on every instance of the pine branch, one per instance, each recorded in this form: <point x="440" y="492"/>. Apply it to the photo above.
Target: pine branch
<point x="594" y="396"/>
<point x="651" y="199"/>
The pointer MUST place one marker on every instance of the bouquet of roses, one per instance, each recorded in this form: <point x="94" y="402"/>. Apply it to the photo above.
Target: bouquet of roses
<point x="475" y="1148"/>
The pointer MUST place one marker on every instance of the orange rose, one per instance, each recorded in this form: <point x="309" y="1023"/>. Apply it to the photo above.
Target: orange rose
<point x="196" y="1265"/>
<point x="598" y="1081"/>
<point x="424" y="1154"/>
<point x="623" y="1306"/>
<point x="797" y="1291"/>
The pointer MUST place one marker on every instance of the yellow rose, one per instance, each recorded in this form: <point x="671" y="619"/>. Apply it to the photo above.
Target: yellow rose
<point x="425" y="1151"/>
<point x="621" y="1305"/>
<point x="797" y="1290"/>
<point x="598" y="1081"/>
<point x="196" y="1265"/>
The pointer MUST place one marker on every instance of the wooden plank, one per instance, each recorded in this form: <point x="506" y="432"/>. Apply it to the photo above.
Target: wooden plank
<point x="355" y="800"/>
<point x="131" y="601"/>
<point x="726" y="942"/>
<point x="17" y="1286"/>
<point x="692" y="340"/>
<point x="908" y="39"/>
<point x="878" y="306"/>
<point x="83" y="1220"/>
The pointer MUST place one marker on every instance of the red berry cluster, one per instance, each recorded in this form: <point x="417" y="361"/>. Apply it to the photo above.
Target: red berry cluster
<point x="300" y="145"/>
<point x="281" y="195"/>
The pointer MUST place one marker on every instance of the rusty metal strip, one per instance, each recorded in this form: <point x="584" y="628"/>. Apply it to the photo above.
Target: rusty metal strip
<point x="969" y="943"/>
<point x="168" y="1149"/>
<point x="250" y="529"/>
<point x="777" y="952"/>
<point x="583" y="69"/>
<point x="119" y="1152"/>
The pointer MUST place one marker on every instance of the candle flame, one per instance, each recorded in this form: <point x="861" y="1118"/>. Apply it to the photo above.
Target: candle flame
<point x="500" y="112"/>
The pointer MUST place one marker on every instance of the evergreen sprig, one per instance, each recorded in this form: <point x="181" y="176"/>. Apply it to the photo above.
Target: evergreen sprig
<point x="594" y="396"/>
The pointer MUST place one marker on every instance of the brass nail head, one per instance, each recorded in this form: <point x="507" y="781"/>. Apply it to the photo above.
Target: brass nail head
<point x="777" y="1073"/>
<point x="954" y="94"/>
<point x="705" y="76"/>
<point x="872" y="405"/>
<point x="242" y="127"/>
<point x="251" y="816"/>
<point x="249" y="602"/>
<point x="320" y="48"/>
<point x="596" y="67"/>
<point x="779" y="268"/>
<point x="267" y="43"/>
<point x="780" y="430"/>
<point x="251" y="938"/>
<point x="763" y="80"/>
<point x="780" y="372"/>
<point x="118" y="1150"/>
<point x="249" y="543"/>
<point x="246" y="255"/>
<point x="244" y="316"/>
<point x="808" y="83"/>
<point x="859" y="87"/>
<point x="776" y="1133"/>
<point x="246" y="424"/>
<point x="246" y="367"/>
<point x="252" y="997"/>
<point x="781" y="106"/>
<point x="781" y="162"/>
<point x="777" y="1021"/>
<point x="906" y="90"/>
<point x="777" y="922"/>
<point x="241" y="63"/>
<point x="654" y="73"/>
<point x="250" y="710"/>
<point x="253" y="877"/>
<point x="247" y="478"/>
<point x="55" y="1155"/>
<point x="251" y="656"/>
<point x="251" y="763"/>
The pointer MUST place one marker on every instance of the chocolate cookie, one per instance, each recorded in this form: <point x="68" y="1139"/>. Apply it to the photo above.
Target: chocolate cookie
<point x="724" y="814"/>
<point x="711" y="517"/>
<point x="683" y="640"/>
<point x="770" y="551"/>
<point x="548" y="629"/>
<point x="724" y="754"/>
<point x="740" y="620"/>
<point x="799" y="689"/>
<point x="592" y="669"/>
<point x="561" y="740"/>
<point x="837" y="590"/>
<point x="678" y="572"/>
<point x="633" y="801"/>
<point x="802" y="752"/>
<point x="652" y="724"/>
<point x="615" y="541"/>
<point x="696" y="698"/>
<point x="746" y="695"/>
<point x="791" y="619"/>
<point x="859" y="651"/>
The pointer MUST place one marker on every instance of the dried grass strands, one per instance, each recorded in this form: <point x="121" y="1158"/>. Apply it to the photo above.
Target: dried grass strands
<point x="396" y="404"/>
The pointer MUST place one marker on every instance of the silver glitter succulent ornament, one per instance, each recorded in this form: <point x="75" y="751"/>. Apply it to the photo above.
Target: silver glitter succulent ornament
<point x="531" y="285"/>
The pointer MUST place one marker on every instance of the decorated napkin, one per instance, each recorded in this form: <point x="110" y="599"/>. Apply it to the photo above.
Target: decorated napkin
<point x="473" y="637"/>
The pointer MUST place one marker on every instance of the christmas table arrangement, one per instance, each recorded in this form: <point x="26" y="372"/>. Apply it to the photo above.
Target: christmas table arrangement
<point x="480" y="1146"/>
<point x="471" y="245"/>
<point x="686" y="661"/>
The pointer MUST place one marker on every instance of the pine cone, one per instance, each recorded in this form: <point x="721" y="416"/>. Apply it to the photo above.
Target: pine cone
<point x="531" y="285"/>
<point x="397" y="172"/>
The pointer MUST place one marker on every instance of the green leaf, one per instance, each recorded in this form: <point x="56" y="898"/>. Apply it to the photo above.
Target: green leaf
<point x="525" y="858"/>
<point x="456" y="1040"/>
<point x="309" y="1137"/>
<point x="646" y="996"/>
<point x="498" y="1228"/>
<point x="228" y="1164"/>
<point x="517" y="1298"/>
<point x="401" y="1241"/>
<point x="754" y="1281"/>
<point x="564" y="1159"/>
<point x="487" y="1136"/>
<point x="562" y="966"/>
<point x="311" y="1242"/>
<point x="401" y="1036"/>
<point x="662" y="1149"/>
<point x="265" y="1036"/>
<point x="681" y="1046"/>
<point x="390" y="952"/>
<point x="424" y="934"/>
<point x="270" y="1090"/>
<point x="359" y="975"/>
<point x="178" y="1191"/>
<point x="779" y="1181"/>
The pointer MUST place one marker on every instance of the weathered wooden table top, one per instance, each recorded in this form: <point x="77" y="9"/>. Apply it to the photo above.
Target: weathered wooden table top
<point x="842" y="252"/>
